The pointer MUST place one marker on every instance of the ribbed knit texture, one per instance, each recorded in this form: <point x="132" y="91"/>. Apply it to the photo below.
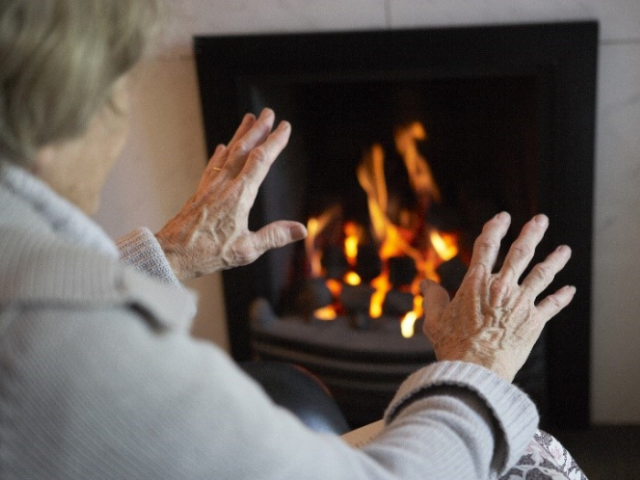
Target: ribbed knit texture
<point x="99" y="380"/>
<point x="140" y="249"/>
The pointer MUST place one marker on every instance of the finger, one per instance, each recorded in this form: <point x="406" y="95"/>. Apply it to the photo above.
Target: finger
<point x="217" y="161"/>
<point x="523" y="249"/>
<point x="252" y="138"/>
<point x="247" y="122"/>
<point x="487" y="245"/>
<point x="473" y="281"/>
<point x="262" y="157"/>
<point x="435" y="300"/>
<point x="553" y="304"/>
<point x="275" y="235"/>
<point x="543" y="273"/>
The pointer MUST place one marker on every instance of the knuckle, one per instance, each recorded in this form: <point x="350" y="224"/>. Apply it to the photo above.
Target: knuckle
<point x="275" y="239"/>
<point x="542" y="272"/>
<point x="243" y="255"/>
<point x="485" y="244"/>
<point x="554" y="302"/>
<point x="499" y="289"/>
<point x="259" y="155"/>
<point x="521" y="250"/>
<point x="241" y="148"/>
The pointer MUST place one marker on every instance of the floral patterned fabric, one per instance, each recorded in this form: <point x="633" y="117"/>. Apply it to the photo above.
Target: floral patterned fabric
<point x="545" y="459"/>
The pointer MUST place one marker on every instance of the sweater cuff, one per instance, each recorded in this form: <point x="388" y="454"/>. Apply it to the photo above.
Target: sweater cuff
<point x="140" y="249"/>
<point x="514" y="412"/>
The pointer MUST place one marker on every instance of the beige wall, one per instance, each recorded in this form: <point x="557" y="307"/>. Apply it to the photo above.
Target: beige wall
<point x="165" y="155"/>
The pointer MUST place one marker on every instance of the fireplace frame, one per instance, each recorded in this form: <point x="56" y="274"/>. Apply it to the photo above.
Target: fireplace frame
<point x="564" y="57"/>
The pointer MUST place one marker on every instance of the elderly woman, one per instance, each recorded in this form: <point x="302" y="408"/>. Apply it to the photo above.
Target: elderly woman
<point x="98" y="376"/>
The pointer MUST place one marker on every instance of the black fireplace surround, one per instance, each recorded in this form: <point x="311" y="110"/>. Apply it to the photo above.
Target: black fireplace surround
<point x="513" y="105"/>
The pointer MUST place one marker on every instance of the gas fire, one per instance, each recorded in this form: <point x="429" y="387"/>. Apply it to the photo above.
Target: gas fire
<point x="407" y="252"/>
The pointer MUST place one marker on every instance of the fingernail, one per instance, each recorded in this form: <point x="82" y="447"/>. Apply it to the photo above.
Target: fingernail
<point x="541" y="220"/>
<point x="502" y="216"/>
<point x="284" y="125"/>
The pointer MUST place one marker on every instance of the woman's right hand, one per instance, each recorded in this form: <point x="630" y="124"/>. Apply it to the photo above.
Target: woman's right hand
<point x="494" y="320"/>
<point x="211" y="232"/>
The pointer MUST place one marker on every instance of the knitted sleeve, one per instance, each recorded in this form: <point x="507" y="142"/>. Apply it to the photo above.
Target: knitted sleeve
<point x="140" y="249"/>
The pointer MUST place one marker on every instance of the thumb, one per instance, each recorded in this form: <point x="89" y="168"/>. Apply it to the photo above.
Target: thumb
<point x="434" y="301"/>
<point x="278" y="234"/>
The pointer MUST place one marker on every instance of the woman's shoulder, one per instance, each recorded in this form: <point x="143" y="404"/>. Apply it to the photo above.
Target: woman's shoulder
<point x="48" y="272"/>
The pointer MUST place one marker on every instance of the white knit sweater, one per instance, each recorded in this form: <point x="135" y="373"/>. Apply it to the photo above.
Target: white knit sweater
<point x="99" y="378"/>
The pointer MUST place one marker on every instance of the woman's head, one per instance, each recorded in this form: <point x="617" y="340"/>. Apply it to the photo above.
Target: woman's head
<point x="60" y="61"/>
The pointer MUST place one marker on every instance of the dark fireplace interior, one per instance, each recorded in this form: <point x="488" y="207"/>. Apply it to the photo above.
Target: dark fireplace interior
<point x="404" y="143"/>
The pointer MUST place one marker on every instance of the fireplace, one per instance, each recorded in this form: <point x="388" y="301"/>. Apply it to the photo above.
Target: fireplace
<point x="437" y="129"/>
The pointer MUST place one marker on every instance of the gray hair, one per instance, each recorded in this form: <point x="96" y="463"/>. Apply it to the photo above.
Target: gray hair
<point x="59" y="61"/>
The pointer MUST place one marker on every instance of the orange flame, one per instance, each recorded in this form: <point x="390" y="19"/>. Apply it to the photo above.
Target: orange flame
<point x="326" y="313"/>
<point x="445" y="245"/>
<point x="352" y="238"/>
<point x="382" y="286"/>
<point x="371" y="177"/>
<point x="334" y="286"/>
<point x="394" y="240"/>
<point x="352" y="278"/>
<point x="420" y="174"/>
<point x="315" y="226"/>
<point x="408" y="322"/>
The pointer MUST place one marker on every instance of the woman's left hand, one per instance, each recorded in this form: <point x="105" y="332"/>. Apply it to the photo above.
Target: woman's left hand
<point x="211" y="231"/>
<point x="494" y="319"/>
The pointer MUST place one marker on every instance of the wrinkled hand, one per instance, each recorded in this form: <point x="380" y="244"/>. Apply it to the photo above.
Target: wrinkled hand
<point x="493" y="320"/>
<point x="211" y="231"/>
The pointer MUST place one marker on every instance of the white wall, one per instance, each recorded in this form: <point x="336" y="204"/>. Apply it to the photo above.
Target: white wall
<point x="166" y="152"/>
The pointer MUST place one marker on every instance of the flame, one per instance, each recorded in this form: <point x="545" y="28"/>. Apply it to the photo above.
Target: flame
<point x="334" y="286"/>
<point x="445" y="245"/>
<point x="315" y="226"/>
<point x="352" y="278"/>
<point x="420" y="174"/>
<point x="382" y="286"/>
<point x="408" y="322"/>
<point x="371" y="177"/>
<point x="313" y="256"/>
<point x="326" y="313"/>
<point x="352" y="239"/>
<point x="411" y="236"/>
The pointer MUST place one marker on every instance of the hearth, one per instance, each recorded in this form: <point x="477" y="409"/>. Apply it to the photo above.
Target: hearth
<point x="404" y="143"/>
